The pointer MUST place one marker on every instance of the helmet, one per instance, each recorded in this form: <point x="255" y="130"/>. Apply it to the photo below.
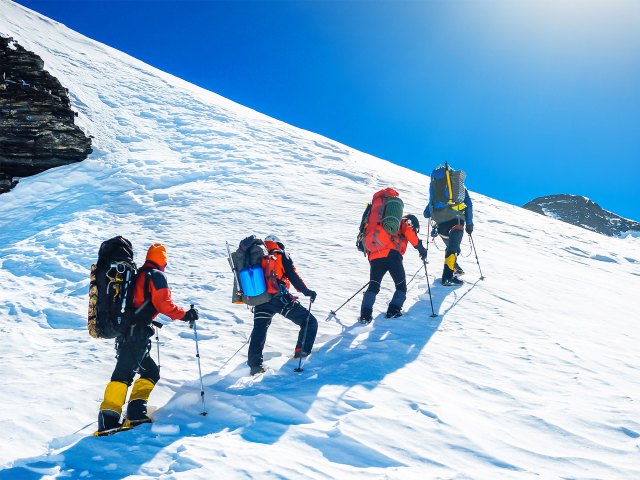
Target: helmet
<point x="412" y="221"/>
<point x="272" y="238"/>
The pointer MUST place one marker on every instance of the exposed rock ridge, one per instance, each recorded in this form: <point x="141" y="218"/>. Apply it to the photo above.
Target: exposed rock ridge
<point x="582" y="212"/>
<point x="37" y="129"/>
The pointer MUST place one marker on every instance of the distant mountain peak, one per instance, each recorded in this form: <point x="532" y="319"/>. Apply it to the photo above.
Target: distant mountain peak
<point x="583" y="212"/>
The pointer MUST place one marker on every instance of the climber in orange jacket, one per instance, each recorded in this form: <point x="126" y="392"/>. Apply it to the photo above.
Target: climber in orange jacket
<point x="385" y="255"/>
<point x="151" y="297"/>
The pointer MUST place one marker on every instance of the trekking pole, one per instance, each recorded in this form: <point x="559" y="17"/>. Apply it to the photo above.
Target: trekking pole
<point x="473" y="245"/>
<point x="333" y="312"/>
<point x="232" y="356"/>
<point x="158" y="326"/>
<point x="433" y="234"/>
<point x="414" y="275"/>
<point x="433" y="313"/>
<point x="87" y="425"/>
<point x="192" y="324"/>
<point x="304" y="338"/>
<point x="424" y="262"/>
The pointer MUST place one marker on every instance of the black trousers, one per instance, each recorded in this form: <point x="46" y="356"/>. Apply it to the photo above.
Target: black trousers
<point x="262" y="316"/>
<point x="133" y="357"/>
<point x="392" y="263"/>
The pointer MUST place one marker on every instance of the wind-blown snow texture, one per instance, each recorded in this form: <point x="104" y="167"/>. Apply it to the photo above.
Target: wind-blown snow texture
<point x="531" y="373"/>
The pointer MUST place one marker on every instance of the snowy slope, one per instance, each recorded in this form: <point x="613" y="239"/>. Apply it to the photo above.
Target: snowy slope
<point x="531" y="373"/>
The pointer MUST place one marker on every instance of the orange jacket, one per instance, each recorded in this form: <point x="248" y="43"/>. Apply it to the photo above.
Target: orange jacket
<point x="158" y="292"/>
<point x="283" y="269"/>
<point x="396" y="242"/>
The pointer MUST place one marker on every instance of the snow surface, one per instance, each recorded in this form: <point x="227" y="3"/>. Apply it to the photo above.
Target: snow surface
<point x="531" y="373"/>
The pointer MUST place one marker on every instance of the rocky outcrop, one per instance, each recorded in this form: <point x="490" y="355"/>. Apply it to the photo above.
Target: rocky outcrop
<point x="582" y="212"/>
<point x="37" y="129"/>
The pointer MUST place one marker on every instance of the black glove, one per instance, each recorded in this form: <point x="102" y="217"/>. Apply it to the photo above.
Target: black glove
<point x="469" y="228"/>
<point x="190" y="316"/>
<point x="311" y="294"/>
<point x="422" y="251"/>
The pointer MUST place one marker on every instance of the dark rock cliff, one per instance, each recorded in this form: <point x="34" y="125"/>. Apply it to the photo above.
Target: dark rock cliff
<point x="37" y="129"/>
<point x="582" y="212"/>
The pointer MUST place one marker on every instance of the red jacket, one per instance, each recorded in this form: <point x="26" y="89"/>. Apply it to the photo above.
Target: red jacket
<point x="283" y="269"/>
<point x="158" y="292"/>
<point x="396" y="242"/>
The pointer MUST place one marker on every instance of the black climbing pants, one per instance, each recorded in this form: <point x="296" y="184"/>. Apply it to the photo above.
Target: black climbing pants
<point x="133" y="357"/>
<point x="392" y="263"/>
<point x="262" y="315"/>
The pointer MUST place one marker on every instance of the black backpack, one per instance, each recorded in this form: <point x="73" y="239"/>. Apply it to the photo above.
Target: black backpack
<point x="111" y="290"/>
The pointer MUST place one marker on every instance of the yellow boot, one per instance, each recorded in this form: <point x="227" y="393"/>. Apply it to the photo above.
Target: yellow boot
<point x="137" y="408"/>
<point x="111" y="407"/>
<point x="448" y="277"/>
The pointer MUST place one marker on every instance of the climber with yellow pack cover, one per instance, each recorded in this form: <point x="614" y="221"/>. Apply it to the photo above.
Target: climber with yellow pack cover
<point x="451" y="212"/>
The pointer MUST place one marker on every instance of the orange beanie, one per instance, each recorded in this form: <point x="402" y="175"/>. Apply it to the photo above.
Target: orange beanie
<point x="157" y="254"/>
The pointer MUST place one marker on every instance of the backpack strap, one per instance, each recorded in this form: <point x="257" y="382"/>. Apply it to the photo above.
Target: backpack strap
<point x="383" y="207"/>
<point x="147" y="293"/>
<point x="147" y="298"/>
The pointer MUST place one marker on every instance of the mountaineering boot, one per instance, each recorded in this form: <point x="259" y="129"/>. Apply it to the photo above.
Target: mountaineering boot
<point x="111" y="406"/>
<point x="366" y="313"/>
<point x="137" y="407"/>
<point x="108" y="420"/>
<point x="393" y="312"/>
<point x="448" y="277"/>
<point x="452" y="282"/>
<point x="256" y="369"/>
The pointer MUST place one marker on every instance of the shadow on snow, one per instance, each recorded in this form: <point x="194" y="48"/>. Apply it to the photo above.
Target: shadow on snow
<point x="263" y="410"/>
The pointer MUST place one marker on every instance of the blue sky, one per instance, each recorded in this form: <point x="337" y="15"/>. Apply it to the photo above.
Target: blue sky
<point x="530" y="97"/>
